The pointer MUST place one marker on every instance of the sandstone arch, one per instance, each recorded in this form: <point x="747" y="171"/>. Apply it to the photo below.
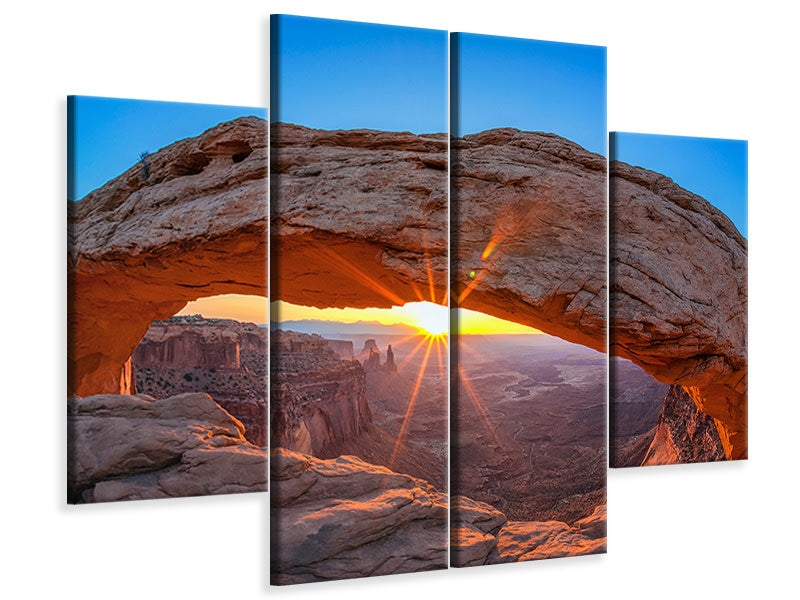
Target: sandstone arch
<point x="188" y="224"/>
<point x="679" y="266"/>
<point x="339" y="213"/>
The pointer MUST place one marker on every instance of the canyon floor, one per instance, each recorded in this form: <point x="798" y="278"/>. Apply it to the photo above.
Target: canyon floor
<point x="529" y="426"/>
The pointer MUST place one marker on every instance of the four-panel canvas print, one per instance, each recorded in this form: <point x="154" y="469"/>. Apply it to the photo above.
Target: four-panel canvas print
<point x="393" y="297"/>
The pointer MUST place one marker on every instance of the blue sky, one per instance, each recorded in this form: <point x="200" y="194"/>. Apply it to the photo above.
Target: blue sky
<point x="715" y="169"/>
<point x="531" y="85"/>
<point x="330" y="74"/>
<point x="111" y="133"/>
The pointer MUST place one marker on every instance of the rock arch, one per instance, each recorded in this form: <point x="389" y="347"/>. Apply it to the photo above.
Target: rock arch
<point x="344" y="235"/>
<point x="189" y="223"/>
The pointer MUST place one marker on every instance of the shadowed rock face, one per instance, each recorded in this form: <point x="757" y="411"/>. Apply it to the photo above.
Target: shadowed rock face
<point x="190" y="223"/>
<point x="679" y="295"/>
<point x="344" y="518"/>
<point x="317" y="399"/>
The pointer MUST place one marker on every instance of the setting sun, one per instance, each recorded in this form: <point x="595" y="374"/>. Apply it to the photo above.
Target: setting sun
<point x="427" y="316"/>
<point x="431" y="317"/>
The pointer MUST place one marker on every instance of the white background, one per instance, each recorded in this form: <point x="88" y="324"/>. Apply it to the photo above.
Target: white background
<point x="724" y="69"/>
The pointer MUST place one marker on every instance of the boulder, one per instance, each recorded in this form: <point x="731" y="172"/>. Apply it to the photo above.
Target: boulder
<point x="344" y="518"/>
<point x="125" y="447"/>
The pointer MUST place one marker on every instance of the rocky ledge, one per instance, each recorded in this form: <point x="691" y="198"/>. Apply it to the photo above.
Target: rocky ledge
<point x="125" y="447"/>
<point x="481" y="535"/>
<point x="345" y="518"/>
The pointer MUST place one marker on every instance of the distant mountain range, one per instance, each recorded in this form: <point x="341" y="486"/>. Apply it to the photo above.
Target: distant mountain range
<point x="327" y="328"/>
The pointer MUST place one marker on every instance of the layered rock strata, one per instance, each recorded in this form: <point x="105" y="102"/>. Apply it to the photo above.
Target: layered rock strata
<point x="224" y="358"/>
<point x="129" y="447"/>
<point x="344" y="518"/>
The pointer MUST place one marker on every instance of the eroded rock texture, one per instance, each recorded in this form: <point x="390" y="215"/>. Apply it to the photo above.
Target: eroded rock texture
<point x="359" y="218"/>
<point x="186" y="222"/>
<point x="126" y="447"/>
<point x="529" y="244"/>
<point x="344" y="518"/>
<point x="679" y="295"/>
<point x="370" y="208"/>
<point x="530" y="223"/>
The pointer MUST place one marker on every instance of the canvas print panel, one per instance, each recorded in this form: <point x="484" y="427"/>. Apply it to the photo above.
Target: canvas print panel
<point x="678" y="381"/>
<point x="167" y="310"/>
<point x="528" y="245"/>
<point x="359" y="300"/>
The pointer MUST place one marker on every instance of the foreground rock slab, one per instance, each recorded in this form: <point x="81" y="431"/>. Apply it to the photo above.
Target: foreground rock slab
<point x="124" y="447"/>
<point x="345" y="518"/>
<point x="481" y="535"/>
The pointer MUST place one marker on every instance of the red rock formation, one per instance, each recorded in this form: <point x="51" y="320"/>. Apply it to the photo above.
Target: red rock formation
<point x="142" y="246"/>
<point x="684" y="434"/>
<point x="316" y="398"/>
<point x="182" y="342"/>
<point x="146" y="243"/>
<point x="390" y="365"/>
<point x="220" y="357"/>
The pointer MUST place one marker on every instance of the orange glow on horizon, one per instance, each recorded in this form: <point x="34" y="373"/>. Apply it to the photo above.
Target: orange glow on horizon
<point x="425" y="316"/>
<point x="471" y="322"/>
<point x="429" y="317"/>
<point x="246" y="309"/>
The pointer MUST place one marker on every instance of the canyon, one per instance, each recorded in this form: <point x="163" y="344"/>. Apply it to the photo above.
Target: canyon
<point x="529" y="426"/>
<point x="224" y="358"/>
<point x="193" y="225"/>
<point x="326" y="406"/>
